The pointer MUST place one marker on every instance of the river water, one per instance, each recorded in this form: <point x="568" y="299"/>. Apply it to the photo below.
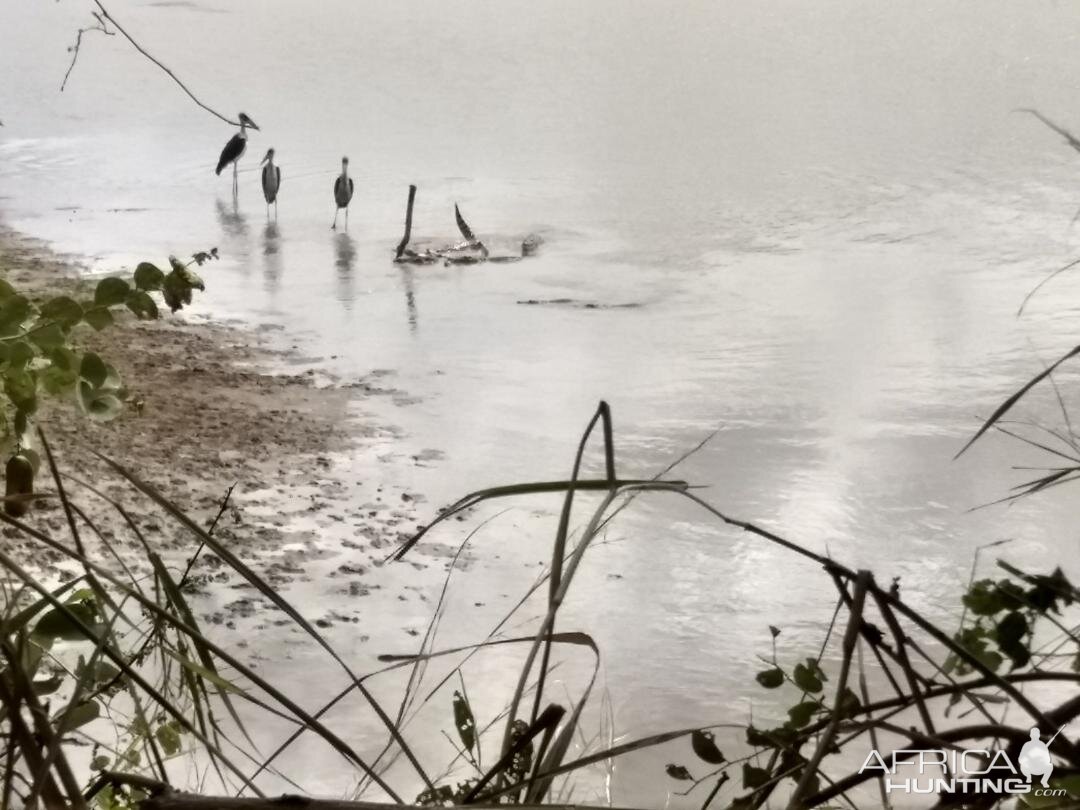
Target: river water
<point x="824" y="216"/>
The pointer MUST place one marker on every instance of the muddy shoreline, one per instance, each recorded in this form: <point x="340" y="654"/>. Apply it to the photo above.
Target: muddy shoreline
<point x="211" y="406"/>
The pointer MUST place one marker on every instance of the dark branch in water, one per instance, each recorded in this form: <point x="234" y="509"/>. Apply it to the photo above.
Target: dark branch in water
<point x="404" y="243"/>
<point x="105" y="17"/>
<point x="101" y="26"/>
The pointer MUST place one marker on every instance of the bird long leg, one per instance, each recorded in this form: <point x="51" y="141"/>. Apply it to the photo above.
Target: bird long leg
<point x="346" y="217"/>
<point x="333" y="225"/>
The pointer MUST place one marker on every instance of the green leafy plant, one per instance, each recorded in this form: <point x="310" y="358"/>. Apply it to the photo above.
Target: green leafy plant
<point x="39" y="355"/>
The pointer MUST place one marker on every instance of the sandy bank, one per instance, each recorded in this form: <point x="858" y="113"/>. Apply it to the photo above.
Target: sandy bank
<point x="207" y="410"/>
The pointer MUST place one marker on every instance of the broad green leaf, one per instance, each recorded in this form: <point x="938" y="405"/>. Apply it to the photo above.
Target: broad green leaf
<point x="64" y="358"/>
<point x="704" y="745"/>
<point x="14" y="312"/>
<point x="191" y="278"/>
<point x="111" y="291"/>
<point x="20" y="353"/>
<point x="6" y="290"/>
<point x="808" y="676"/>
<point x="21" y="388"/>
<point x="771" y="678"/>
<point x="80" y="715"/>
<point x="801" y="714"/>
<point x="62" y="309"/>
<point x="1009" y="635"/>
<point x="148" y="277"/>
<point x="62" y="623"/>
<point x="56" y="380"/>
<point x="983" y="598"/>
<point x="142" y="305"/>
<point x="102" y="672"/>
<point x="93" y="370"/>
<point x="47" y="686"/>
<point x="49" y="336"/>
<point x="99" y="318"/>
<point x="176" y="291"/>
<point x="98" y="405"/>
<point x="168" y="735"/>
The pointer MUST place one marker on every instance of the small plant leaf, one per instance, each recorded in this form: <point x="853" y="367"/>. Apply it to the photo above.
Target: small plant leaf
<point x="21" y="388"/>
<point x="99" y="318"/>
<point x="80" y="715"/>
<point x="801" y="714"/>
<point x="111" y="291"/>
<point x="62" y="309"/>
<point x="753" y="777"/>
<point x="62" y="624"/>
<point x="464" y="721"/>
<point x="49" y="336"/>
<point x="679" y="772"/>
<point x="148" y="277"/>
<point x="771" y="678"/>
<point x="93" y="370"/>
<point x="140" y="303"/>
<point x="704" y="745"/>
<point x="808" y="676"/>
<point x="168" y="735"/>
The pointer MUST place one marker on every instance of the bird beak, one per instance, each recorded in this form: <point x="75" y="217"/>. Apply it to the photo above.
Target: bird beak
<point x="266" y="158"/>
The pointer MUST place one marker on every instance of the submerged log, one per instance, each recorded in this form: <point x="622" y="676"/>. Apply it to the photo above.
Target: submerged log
<point x="471" y="251"/>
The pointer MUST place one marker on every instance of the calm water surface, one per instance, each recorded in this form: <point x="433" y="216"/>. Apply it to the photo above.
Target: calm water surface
<point x="824" y="213"/>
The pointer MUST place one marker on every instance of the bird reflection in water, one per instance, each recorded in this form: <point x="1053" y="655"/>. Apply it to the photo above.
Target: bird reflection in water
<point x="233" y="223"/>
<point x="234" y="229"/>
<point x="272" y="261"/>
<point x="345" y="261"/>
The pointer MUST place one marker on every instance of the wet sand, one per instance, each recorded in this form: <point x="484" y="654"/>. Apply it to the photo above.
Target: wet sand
<point x="211" y="406"/>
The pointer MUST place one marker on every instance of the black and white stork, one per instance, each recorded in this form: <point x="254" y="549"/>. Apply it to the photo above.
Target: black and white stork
<point x="271" y="181"/>
<point x="343" y="191"/>
<point x="236" y="147"/>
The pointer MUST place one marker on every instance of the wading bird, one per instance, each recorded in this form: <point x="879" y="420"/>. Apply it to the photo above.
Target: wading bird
<point x="343" y="191"/>
<point x="235" y="148"/>
<point x="271" y="181"/>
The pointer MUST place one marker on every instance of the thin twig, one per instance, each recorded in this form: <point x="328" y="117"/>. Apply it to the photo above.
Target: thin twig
<point x="863" y="581"/>
<point x="101" y="26"/>
<point x="105" y="13"/>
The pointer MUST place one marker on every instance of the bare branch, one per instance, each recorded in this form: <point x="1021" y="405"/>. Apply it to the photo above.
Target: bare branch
<point x="101" y="26"/>
<point x="104" y="18"/>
